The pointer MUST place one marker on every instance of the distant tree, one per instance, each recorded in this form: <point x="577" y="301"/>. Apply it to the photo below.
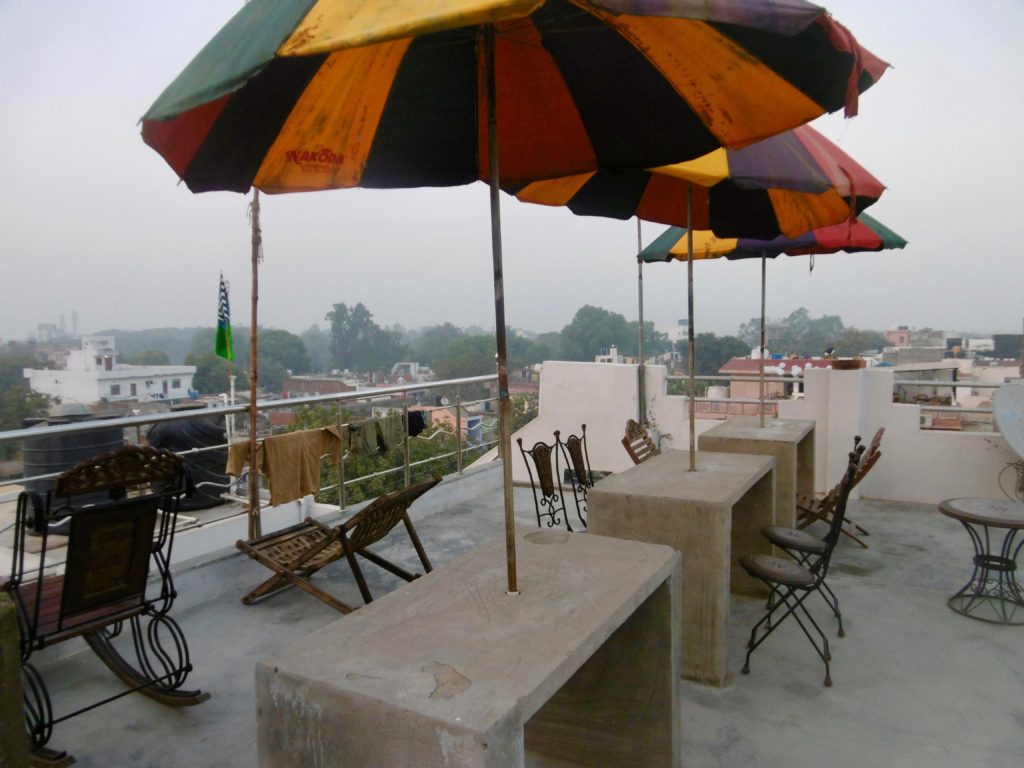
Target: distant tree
<point x="17" y="401"/>
<point x="283" y="349"/>
<point x="433" y="343"/>
<point x="279" y="352"/>
<point x="798" y="334"/>
<point x="468" y="356"/>
<point x="359" y="343"/>
<point x="318" y="346"/>
<point x="655" y="342"/>
<point x="212" y="374"/>
<point x="147" y="357"/>
<point x="593" y="329"/>
<point x="854" y="341"/>
<point x="711" y="352"/>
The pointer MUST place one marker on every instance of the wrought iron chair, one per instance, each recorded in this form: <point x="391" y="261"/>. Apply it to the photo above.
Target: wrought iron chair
<point x="638" y="442"/>
<point x="577" y="461"/>
<point x="790" y="583"/>
<point x="111" y="547"/>
<point x="810" y="510"/>
<point x="294" y="554"/>
<point x="544" y="466"/>
<point x="804" y="548"/>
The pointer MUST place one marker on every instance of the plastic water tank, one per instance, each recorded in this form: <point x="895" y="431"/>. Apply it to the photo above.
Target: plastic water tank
<point x="717" y="392"/>
<point x="53" y="454"/>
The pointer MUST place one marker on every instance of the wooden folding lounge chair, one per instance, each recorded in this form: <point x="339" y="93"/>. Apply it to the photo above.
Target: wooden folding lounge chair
<point x="114" y="545"/>
<point x="638" y="442"/>
<point x="294" y="554"/>
<point x="810" y="510"/>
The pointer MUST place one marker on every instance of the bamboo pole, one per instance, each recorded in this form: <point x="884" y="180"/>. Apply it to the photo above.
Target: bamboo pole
<point x="504" y="403"/>
<point x="255" y="529"/>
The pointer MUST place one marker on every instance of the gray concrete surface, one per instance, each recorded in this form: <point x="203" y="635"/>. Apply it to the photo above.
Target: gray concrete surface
<point x="915" y="684"/>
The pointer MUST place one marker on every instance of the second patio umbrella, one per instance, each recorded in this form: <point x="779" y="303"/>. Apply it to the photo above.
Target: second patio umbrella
<point x="789" y="183"/>
<point x="299" y="95"/>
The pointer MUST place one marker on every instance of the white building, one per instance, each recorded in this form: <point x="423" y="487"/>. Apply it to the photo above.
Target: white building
<point x="93" y="375"/>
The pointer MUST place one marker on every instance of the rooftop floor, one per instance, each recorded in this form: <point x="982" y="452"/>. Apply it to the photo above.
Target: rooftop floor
<point x="915" y="683"/>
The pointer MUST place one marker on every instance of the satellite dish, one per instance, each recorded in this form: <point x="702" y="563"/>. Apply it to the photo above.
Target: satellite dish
<point x="444" y="401"/>
<point x="1009" y="412"/>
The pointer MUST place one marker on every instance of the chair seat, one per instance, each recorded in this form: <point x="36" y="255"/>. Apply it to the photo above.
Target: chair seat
<point x="794" y="539"/>
<point x="777" y="570"/>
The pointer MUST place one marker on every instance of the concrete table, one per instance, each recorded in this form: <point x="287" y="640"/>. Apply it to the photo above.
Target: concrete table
<point x="789" y="441"/>
<point x="582" y="667"/>
<point x="712" y="516"/>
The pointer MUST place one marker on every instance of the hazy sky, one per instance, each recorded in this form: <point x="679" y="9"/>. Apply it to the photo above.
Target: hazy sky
<point x="94" y="221"/>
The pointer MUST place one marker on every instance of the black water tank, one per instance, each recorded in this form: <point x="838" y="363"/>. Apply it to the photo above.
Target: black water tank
<point x="53" y="454"/>
<point x="206" y="467"/>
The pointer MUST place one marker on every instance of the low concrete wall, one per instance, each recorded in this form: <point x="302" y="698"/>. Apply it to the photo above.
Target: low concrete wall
<point x="917" y="465"/>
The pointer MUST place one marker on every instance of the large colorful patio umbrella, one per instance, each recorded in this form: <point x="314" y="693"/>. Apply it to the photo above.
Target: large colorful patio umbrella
<point x="863" y="233"/>
<point x="783" y="185"/>
<point x="298" y="95"/>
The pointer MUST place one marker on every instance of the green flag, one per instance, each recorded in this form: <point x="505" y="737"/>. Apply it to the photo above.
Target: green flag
<point x="225" y="347"/>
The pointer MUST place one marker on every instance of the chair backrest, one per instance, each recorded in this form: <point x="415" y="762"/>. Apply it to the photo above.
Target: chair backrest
<point x="110" y="548"/>
<point x="638" y="442"/>
<point x="834" y="504"/>
<point x="543" y="466"/>
<point x="577" y="458"/>
<point x="375" y="521"/>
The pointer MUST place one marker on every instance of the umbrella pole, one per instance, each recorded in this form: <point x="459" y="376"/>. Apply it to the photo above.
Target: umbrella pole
<point x="504" y="403"/>
<point x="641" y="387"/>
<point x="764" y="262"/>
<point x="689" y="323"/>
<point x="254" y="467"/>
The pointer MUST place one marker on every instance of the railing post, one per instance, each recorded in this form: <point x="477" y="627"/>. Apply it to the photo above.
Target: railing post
<point x="405" y="423"/>
<point x="341" y="460"/>
<point x="459" y="446"/>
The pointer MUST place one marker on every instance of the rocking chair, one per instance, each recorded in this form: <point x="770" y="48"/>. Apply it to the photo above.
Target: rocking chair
<point x="111" y="547"/>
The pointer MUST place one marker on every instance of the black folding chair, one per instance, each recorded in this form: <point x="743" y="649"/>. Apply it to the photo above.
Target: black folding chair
<point x="791" y="583"/>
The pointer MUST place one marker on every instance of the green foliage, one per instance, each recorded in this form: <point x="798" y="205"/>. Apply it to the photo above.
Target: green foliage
<point x="467" y="356"/>
<point x="592" y="329"/>
<point x="17" y="401"/>
<point x="711" y="352"/>
<point x="524" y="410"/>
<point x="434" y="343"/>
<point x="806" y="336"/>
<point x="441" y="442"/>
<point x="359" y="344"/>
<point x="212" y="374"/>
<point x="280" y="351"/>
<point x="318" y="346"/>
<point x="853" y="342"/>
<point x="146" y="357"/>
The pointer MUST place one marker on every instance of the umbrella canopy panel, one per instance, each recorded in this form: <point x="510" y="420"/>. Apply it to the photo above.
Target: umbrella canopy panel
<point x="783" y="185"/>
<point x="295" y="95"/>
<point x="863" y="233"/>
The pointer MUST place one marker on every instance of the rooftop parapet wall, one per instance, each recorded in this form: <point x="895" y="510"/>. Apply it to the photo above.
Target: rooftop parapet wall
<point x="917" y="465"/>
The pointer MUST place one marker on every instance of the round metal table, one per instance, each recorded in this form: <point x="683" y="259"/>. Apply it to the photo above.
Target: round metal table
<point x="992" y="594"/>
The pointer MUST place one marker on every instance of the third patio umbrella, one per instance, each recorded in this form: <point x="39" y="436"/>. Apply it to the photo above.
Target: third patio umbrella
<point x="862" y="233"/>
<point x="299" y="95"/>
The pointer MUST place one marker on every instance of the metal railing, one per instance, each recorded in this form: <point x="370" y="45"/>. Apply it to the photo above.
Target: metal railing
<point x="135" y="423"/>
